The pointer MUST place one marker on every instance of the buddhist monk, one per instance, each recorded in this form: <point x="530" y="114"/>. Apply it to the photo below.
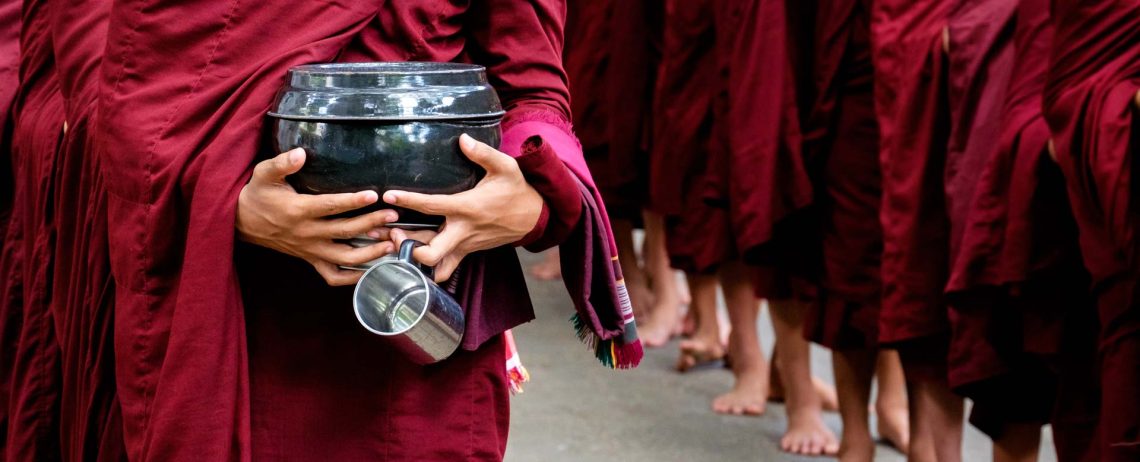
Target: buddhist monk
<point x="1018" y="294"/>
<point x="698" y="238"/>
<point x="910" y="103"/>
<point x="32" y="432"/>
<point x="234" y="338"/>
<point x="1090" y="106"/>
<point x="841" y="139"/>
<point x="82" y="288"/>
<point x="761" y="180"/>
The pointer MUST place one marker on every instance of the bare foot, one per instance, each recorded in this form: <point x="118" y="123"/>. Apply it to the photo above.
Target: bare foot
<point x="640" y="297"/>
<point x="689" y="323"/>
<point x="862" y="450"/>
<point x="745" y="398"/>
<point x="893" y="427"/>
<point x="807" y="435"/>
<point x="549" y="268"/>
<point x="695" y="352"/>
<point x="655" y="332"/>
<point x="827" y="398"/>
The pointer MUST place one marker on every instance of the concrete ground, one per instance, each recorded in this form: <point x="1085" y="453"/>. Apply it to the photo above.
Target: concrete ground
<point x="576" y="410"/>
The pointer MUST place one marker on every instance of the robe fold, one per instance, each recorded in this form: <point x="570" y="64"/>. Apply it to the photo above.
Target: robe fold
<point x="841" y="142"/>
<point x="1090" y="87"/>
<point x="9" y="80"/>
<point x="698" y="236"/>
<point x="27" y="335"/>
<point x="611" y="59"/>
<point x="1021" y="314"/>
<point x="82" y="288"/>
<point x="910" y="103"/>
<point x="760" y="176"/>
<point x="225" y="351"/>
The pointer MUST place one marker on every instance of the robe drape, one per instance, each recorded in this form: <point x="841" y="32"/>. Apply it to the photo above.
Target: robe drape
<point x="1091" y="84"/>
<point x="1023" y="321"/>
<point x="31" y="354"/>
<point x="698" y="236"/>
<point x="9" y="80"/>
<point x="259" y="360"/>
<point x="82" y="288"/>
<point x="841" y="141"/>
<point x="910" y="101"/>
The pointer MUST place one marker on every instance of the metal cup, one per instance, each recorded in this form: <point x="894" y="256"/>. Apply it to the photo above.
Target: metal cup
<point x="397" y="299"/>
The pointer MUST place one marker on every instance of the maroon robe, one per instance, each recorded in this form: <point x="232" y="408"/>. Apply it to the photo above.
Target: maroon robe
<point x="260" y="359"/>
<point x="1089" y="104"/>
<point x="698" y="236"/>
<point x="1022" y="318"/>
<point x="82" y="288"/>
<point x="26" y="326"/>
<point x="9" y="80"/>
<point x="841" y="140"/>
<point x="910" y="102"/>
<point x="762" y="179"/>
<point x="611" y="60"/>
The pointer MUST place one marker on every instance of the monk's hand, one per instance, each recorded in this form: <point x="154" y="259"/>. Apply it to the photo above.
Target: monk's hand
<point x="272" y="214"/>
<point x="500" y="210"/>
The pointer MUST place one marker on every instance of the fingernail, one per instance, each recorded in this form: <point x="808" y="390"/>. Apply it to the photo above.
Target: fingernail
<point x="375" y="234"/>
<point x="392" y="217"/>
<point x="391" y="197"/>
<point x="368" y="197"/>
<point x="466" y="142"/>
<point x="296" y="155"/>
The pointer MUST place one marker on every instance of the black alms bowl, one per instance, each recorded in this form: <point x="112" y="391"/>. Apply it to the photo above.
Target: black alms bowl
<point x="383" y="126"/>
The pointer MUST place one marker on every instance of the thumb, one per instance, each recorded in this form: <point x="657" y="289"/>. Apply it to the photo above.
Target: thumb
<point x="276" y="169"/>
<point x="487" y="157"/>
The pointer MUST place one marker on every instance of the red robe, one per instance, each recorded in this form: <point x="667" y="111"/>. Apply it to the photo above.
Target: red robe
<point x="82" y="288"/>
<point x="698" y="235"/>
<point x="1089" y="104"/>
<point x="31" y="354"/>
<point x="906" y="37"/>
<point x="841" y="140"/>
<point x="1022" y="318"/>
<point x="762" y="179"/>
<point x="611" y="59"/>
<point x="227" y="351"/>
<point x="9" y="80"/>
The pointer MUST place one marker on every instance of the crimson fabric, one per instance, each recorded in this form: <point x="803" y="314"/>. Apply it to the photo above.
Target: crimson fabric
<point x="697" y="235"/>
<point x="1093" y="78"/>
<point x="1018" y="288"/>
<point x="910" y="94"/>
<point x="82" y="288"/>
<point x="841" y="137"/>
<point x="188" y="385"/>
<point x="557" y="185"/>
<point x="28" y="334"/>
<point x="9" y="80"/>
<point x="762" y="179"/>
<point x="610" y="59"/>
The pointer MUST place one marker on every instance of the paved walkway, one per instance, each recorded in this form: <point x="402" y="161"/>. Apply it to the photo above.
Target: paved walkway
<point x="576" y="410"/>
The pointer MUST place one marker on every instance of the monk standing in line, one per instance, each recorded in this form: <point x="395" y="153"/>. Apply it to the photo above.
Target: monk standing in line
<point x="760" y="178"/>
<point x="1090" y="103"/>
<point x="841" y="144"/>
<point x="234" y="338"/>
<point x="698" y="235"/>
<point x="1023" y="345"/>
<point x="910" y="101"/>
<point x="27" y="329"/>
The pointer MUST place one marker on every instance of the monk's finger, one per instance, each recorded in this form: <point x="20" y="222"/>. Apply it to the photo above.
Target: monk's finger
<point x="370" y="224"/>
<point x="323" y="205"/>
<point x="442" y="245"/>
<point x="335" y="276"/>
<point x="491" y="159"/>
<point x="444" y="270"/>
<point x="347" y="255"/>
<point x="431" y="204"/>
<point x="423" y="235"/>
<point x="276" y="169"/>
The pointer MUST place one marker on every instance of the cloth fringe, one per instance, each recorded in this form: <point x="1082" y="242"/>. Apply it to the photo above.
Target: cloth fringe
<point x="615" y="353"/>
